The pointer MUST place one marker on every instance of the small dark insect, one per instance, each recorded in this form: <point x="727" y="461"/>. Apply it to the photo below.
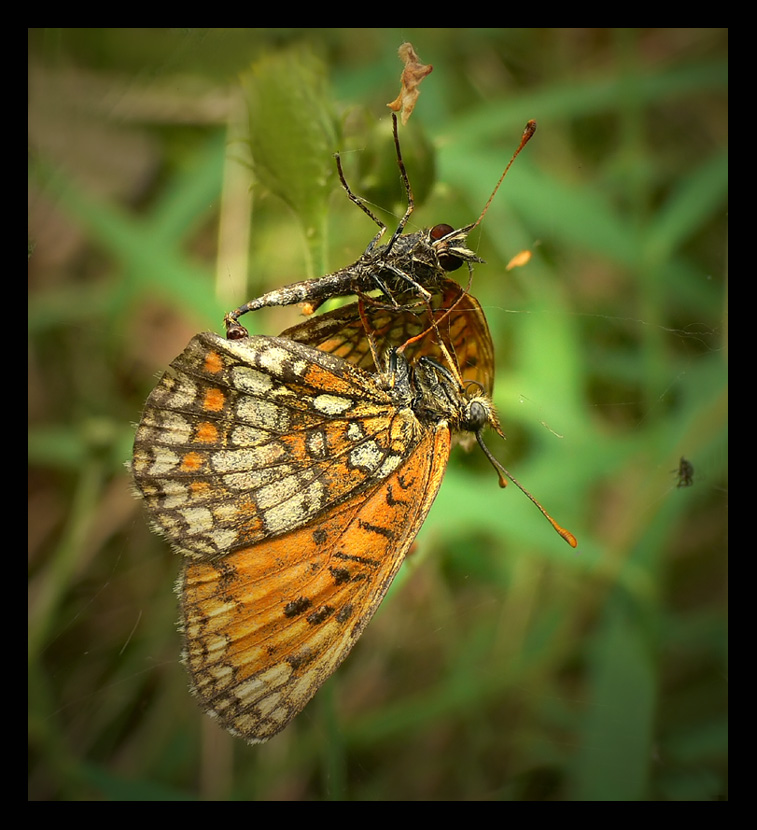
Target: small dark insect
<point x="685" y="473"/>
<point x="408" y="266"/>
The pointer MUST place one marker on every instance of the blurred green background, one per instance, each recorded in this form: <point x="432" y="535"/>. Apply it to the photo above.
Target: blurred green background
<point x="503" y="665"/>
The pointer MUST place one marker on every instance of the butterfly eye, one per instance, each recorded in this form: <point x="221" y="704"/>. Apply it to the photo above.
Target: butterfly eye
<point x="438" y="231"/>
<point x="447" y="261"/>
<point x="477" y="416"/>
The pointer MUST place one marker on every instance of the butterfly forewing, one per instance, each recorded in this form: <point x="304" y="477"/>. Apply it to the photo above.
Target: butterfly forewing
<point x="244" y="440"/>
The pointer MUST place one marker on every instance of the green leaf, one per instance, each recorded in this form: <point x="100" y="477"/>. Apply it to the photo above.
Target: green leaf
<point x="293" y="135"/>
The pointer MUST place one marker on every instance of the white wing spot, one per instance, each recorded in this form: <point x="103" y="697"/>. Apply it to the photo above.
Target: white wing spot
<point x="252" y="381"/>
<point x="366" y="456"/>
<point x="331" y="404"/>
<point x="303" y="503"/>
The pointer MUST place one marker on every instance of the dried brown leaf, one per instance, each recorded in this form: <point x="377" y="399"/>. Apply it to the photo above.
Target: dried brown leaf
<point x="412" y="75"/>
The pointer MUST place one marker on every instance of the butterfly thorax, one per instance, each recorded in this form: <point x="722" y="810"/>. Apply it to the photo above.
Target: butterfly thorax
<point x="434" y="395"/>
<point x="423" y="257"/>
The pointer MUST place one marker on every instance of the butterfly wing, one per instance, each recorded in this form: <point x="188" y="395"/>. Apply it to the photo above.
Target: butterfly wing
<point x="266" y="625"/>
<point x="460" y="322"/>
<point x="242" y="441"/>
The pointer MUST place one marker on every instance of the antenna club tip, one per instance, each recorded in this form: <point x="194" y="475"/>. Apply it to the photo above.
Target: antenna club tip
<point x="529" y="130"/>
<point x="569" y="537"/>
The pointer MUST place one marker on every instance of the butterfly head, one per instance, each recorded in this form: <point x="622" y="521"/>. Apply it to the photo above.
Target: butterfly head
<point x="449" y="246"/>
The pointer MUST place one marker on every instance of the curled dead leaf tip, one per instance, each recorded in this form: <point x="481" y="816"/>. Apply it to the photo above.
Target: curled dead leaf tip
<point x="412" y="75"/>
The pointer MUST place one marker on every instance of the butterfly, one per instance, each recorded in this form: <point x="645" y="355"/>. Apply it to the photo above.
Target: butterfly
<point x="293" y="482"/>
<point x="407" y="267"/>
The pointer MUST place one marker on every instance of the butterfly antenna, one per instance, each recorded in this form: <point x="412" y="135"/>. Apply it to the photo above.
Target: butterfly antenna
<point x="528" y="132"/>
<point x="504" y="475"/>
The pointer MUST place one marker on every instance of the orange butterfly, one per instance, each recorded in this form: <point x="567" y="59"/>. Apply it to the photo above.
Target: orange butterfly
<point x="294" y="483"/>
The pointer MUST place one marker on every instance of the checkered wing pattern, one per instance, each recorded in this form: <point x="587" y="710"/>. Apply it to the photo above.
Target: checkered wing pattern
<point x="245" y="440"/>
